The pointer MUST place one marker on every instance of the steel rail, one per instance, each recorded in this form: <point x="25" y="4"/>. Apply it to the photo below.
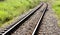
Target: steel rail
<point x="7" y="30"/>
<point x="40" y="20"/>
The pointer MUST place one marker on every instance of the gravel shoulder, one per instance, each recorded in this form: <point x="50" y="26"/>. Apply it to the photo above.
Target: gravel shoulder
<point x="49" y="25"/>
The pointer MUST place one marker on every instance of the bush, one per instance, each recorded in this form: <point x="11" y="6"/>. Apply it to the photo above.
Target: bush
<point x="4" y="16"/>
<point x="13" y="8"/>
<point x="1" y="0"/>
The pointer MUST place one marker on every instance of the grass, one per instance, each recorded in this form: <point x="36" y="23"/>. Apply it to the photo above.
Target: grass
<point x="10" y="9"/>
<point x="56" y="8"/>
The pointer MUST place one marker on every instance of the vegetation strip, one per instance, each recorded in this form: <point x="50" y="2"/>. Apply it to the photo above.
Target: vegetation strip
<point x="10" y="9"/>
<point x="56" y="8"/>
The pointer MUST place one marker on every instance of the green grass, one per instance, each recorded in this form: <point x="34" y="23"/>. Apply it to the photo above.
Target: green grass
<point x="56" y="8"/>
<point x="13" y="8"/>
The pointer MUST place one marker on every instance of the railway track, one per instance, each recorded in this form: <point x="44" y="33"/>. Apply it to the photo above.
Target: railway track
<point x="28" y="24"/>
<point x="40" y="20"/>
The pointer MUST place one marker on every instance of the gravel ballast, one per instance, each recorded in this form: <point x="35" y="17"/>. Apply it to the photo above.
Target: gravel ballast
<point x="49" y="25"/>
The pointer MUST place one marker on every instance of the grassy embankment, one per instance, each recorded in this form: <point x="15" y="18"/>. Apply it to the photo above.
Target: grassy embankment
<point x="56" y="8"/>
<point x="10" y="9"/>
